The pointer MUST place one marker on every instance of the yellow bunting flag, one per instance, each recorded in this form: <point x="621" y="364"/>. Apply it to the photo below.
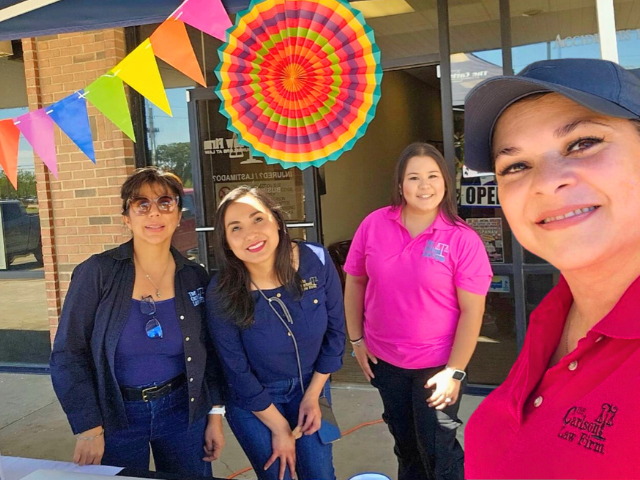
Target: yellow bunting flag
<point x="140" y="71"/>
<point x="171" y="43"/>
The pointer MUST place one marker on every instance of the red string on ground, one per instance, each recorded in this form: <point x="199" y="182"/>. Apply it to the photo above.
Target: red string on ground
<point x="344" y="434"/>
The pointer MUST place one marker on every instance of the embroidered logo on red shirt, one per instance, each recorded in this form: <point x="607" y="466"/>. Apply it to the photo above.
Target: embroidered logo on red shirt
<point x="589" y="434"/>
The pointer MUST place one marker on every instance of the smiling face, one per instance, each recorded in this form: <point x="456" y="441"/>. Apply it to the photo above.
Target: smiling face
<point x="568" y="181"/>
<point x="155" y="227"/>
<point x="423" y="186"/>
<point x="251" y="231"/>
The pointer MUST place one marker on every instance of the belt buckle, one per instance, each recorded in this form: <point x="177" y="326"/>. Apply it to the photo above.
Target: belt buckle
<point x="146" y="391"/>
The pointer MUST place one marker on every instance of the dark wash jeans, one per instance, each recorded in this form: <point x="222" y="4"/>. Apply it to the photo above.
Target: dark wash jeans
<point x="314" y="461"/>
<point x="425" y="438"/>
<point x="161" y="426"/>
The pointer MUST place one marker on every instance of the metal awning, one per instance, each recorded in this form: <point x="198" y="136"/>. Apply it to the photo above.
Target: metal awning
<point x="77" y="15"/>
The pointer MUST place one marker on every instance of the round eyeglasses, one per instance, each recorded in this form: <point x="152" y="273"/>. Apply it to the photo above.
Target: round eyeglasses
<point x="142" y="205"/>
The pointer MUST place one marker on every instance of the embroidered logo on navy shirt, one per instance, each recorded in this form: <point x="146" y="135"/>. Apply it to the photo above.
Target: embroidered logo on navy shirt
<point x="589" y="434"/>
<point x="309" y="284"/>
<point x="197" y="296"/>
<point x="438" y="252"/>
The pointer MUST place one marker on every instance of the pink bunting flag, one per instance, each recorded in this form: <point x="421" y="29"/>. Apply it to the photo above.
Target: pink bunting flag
<point x="37" y="128"/>
<point x="206" y="15"/>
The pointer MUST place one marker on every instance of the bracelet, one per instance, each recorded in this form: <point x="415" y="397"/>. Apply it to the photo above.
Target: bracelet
<point x="357" y="340"/>
<point x="218" y="411"/>
<point x="91" y="438"/>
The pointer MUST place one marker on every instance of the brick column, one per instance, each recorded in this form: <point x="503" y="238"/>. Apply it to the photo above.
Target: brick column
<point x="79" y="211"/>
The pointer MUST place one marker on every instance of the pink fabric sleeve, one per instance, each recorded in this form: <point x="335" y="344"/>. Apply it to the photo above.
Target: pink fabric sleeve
<point x="473" y="271"/>
<point x="356" y="259"/>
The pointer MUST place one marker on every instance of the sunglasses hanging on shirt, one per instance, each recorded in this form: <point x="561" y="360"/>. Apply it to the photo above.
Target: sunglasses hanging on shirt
<point x="153" y="327"/>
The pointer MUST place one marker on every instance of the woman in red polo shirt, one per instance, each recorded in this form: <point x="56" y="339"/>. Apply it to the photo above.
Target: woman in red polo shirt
<point x="563" y="138"/>
<point x="414" y="299"/>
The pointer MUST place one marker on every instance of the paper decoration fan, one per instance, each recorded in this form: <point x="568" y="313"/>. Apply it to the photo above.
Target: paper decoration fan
<point x="299" y="80"/>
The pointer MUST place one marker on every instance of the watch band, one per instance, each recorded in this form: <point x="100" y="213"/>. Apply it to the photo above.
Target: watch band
<point x="218" y="411"/>
<point x="457" y="374"/>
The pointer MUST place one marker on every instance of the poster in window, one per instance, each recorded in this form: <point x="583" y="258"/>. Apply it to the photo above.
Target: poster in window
<point x="490" y="231"/>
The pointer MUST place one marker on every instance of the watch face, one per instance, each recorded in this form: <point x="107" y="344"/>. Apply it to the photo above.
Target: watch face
<point x="458" y="375"/>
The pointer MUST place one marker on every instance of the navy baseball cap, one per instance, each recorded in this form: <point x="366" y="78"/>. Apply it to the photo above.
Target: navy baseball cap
<point x="602" y="86"/>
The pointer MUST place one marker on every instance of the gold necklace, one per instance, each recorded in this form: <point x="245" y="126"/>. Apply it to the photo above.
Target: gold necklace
<point x="158" y="294"/>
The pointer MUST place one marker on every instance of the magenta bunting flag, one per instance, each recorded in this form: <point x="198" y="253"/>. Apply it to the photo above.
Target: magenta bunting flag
<point x="70" y="114"/>
<point x="37" y="128"/>
<point x="206" y="15"/>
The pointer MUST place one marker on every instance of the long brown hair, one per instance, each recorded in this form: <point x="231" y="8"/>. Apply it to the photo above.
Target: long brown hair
<point x="419" y="149"/>
<point x="233" y="291"/>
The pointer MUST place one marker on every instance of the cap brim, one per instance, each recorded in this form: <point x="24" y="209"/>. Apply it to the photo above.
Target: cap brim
<point x="486" y="102"/>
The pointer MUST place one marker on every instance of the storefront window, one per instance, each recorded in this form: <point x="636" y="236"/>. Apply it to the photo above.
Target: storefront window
<point x="628" y="27"/>
<point x="552" y="30"/>
<point x="24" y="324"/>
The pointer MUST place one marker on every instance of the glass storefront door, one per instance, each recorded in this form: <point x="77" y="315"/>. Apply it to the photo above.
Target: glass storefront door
<point x="220" y="164"/>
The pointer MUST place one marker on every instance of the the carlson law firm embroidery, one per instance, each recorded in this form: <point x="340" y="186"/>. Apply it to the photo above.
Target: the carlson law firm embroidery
<point x="197" y="296"/>
<point x="309" y="284"/>
<point x="589" y="434"/>
<point x="438" y="252"/>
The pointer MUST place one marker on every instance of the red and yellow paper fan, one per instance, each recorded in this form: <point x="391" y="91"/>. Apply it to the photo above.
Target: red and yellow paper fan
<point x="299" y="80"/>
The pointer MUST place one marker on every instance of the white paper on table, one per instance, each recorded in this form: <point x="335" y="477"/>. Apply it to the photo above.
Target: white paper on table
<point x="16" y="468"/>
<point x="59" y="475"/>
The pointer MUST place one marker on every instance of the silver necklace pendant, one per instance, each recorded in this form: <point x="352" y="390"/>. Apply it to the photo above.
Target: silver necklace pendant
<point x="158" y="294"/>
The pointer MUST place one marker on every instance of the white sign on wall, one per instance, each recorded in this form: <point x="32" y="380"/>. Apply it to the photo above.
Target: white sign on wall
<point x="479" y="196"/>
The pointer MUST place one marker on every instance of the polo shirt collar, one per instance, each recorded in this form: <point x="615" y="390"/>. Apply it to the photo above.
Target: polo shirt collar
<point x="545" y="330"/>
<point x="125" y="252"/>
<point x="440" y="223"/>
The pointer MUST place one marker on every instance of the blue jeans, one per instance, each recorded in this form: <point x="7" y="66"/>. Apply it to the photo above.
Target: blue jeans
<point x="162" y="426"/>
<point x="314" y="461"/>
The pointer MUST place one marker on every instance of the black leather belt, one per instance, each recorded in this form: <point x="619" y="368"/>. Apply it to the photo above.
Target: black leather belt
<point x="155" y="392"/>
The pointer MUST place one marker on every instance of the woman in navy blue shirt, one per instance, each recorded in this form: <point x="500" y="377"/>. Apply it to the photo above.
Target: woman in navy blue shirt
<point x="129" y="358"/>
<point x="276" y="315"/>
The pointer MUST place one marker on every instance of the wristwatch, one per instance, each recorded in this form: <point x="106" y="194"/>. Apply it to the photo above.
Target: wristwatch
<point x="457" y="374"/>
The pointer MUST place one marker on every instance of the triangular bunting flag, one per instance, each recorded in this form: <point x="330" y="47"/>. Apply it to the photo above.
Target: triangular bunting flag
<point x="140" y="71"/>
<point x="206" y="15"/>
<point x="171" y="43"/>
<point x="37" y="128"/>
<point x="70" y="114"/>
<point x="107" y="95"/>
<point x="9" y="140"/>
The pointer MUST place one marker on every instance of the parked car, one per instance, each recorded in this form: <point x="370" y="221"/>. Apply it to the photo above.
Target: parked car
<point x="21" y="231"/>
<point x="185" y="238"/>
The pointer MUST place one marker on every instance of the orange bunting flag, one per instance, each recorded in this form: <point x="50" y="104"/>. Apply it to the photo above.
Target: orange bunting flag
<point x="171" y="43"/>
<point x="9" y="140"/>
<point x="140" y="71"/>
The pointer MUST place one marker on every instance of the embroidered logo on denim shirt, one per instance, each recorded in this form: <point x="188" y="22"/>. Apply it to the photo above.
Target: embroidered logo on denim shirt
<point x="588" y="432"/>
<point x="197" y="296"/>
<point x="438" y="252"/>
<point x="309" y="284"/>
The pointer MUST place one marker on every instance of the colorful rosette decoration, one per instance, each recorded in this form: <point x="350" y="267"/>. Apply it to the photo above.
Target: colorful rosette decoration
<point x="299" y="80"/>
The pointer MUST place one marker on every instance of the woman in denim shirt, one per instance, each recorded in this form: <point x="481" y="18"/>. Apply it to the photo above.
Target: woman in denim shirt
<point x="261" y="272"/>
<point x="129" y="358"/>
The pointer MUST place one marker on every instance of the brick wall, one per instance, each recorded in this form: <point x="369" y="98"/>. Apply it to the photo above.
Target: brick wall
<point x="79" y="211"/>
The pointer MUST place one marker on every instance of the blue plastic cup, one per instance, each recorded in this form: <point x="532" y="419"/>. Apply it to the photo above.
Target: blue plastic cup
<point x="369" y="476"/>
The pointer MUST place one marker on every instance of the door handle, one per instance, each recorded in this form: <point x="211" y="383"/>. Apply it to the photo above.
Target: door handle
<point x="301" y="225"/>
<point x="205" y="229"/>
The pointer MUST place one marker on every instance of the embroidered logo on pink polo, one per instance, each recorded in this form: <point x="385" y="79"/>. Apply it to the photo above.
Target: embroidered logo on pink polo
<point x="439" y="251"/>
<point x="584" y="430"/>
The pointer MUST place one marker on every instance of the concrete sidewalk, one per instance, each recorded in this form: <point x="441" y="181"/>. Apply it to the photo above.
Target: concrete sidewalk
<point x="32" y="424"/>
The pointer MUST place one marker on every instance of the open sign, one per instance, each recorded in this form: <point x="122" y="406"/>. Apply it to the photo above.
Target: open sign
<point x="479" y="196"/>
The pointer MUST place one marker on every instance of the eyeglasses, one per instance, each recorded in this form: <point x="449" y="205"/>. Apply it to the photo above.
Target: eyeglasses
<point x="153" y="327"/>
<point x="142" y="205"/>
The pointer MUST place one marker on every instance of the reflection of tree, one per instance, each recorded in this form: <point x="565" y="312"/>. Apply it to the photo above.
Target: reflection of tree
<point x="26" y="186"/>
<point x="175" y="156"/>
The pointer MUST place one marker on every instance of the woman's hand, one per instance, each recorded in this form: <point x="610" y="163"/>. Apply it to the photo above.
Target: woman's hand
<point x="283" y="444"/>
<point x="363" y="356"/>
<point x="446" y="391"/>
<point x="89" y="447"/>
<point x="213" y="438"/>
<point x="309" y="416"/>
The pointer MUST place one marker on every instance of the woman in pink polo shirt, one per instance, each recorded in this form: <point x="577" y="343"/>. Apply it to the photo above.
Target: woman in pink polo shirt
<point x="417" y="277"/>
<point x="563" y="138"/>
